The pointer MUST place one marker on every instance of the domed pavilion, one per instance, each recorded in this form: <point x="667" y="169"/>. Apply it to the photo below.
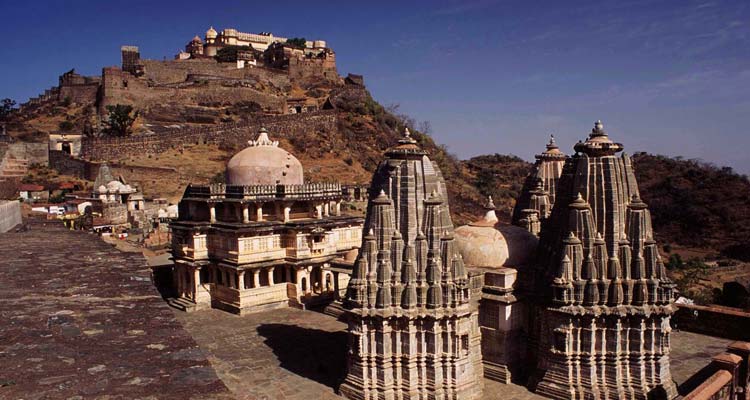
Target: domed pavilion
<point x="265" y="239"/>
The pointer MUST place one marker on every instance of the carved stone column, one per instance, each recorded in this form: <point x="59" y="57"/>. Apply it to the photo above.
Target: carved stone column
<point x="245" y="213"/>
<point x="256" y="278"/>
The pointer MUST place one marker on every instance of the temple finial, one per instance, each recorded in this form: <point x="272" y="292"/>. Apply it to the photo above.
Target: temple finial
<point x="490" y="204"/>
<point x="598" y="129"/>
<point x="263" y="139"/>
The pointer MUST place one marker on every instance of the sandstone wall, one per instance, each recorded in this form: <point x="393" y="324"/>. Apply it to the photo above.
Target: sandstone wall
<point x="10" y="215"/>
<point x="35" y="153"/>
<point x="234" y="135"/>
<point x="68" y="165"/>
<point x="730" y="323"/>
<point x="192" y="96"/>
<point x="81" y="94"/>
<point x="174" y="71"/>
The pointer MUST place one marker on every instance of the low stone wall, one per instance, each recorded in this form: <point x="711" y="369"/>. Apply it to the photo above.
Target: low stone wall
<point x="234" y="135"/>
<point x="10" y="215"/>
<point x="725" y="322"/>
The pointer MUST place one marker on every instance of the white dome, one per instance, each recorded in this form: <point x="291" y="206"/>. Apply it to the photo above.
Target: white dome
<point x="495" y="246"/>
<point x="114" y="186"/>
<point x="264" y="163"/>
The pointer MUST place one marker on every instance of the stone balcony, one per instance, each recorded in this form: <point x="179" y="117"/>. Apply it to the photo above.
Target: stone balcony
<point x="190" y="253"/>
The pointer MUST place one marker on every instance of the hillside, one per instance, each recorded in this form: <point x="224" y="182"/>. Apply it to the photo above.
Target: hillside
<point x="696" y="204"/>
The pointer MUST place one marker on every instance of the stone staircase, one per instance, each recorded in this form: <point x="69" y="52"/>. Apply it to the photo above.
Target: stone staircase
<point x="182" y="304"/>
<point x="12" y="167"/>
<point x="335" y="309"/>
<point x="12" y="170"/>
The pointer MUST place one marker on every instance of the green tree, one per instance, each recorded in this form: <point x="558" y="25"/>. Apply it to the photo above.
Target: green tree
<point x="6" y="108"/>
<point x="120" y="120"/>
<point x="297" y="42"/>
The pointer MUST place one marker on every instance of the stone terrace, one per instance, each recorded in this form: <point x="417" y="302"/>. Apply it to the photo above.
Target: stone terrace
<point x="82" y="320"/>
<point x="301" y="355"/>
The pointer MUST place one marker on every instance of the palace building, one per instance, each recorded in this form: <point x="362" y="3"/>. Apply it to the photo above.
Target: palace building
<point x="264" y="239"/>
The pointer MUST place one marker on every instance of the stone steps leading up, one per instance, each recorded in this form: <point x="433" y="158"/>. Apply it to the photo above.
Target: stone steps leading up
<point x="181" y="304"/>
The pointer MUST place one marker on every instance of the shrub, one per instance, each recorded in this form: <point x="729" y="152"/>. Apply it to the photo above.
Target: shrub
<point x="297" y="42"/>
<point x="66" y="126"/>
<point x="120" y="120"/>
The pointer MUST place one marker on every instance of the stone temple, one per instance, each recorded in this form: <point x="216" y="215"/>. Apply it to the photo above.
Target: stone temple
<point x="539" y="190"/>
<point x="572" y="301"/>
<point x="602" y="297"/>
<point x="264" y="239"/>
<point x="413" y="327"/>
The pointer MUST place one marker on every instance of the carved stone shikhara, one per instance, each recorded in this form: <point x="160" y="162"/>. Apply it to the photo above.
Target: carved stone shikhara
<point x="604" y="300"/>
<point x="413" y="329"/>
<point x="538" y="194"/>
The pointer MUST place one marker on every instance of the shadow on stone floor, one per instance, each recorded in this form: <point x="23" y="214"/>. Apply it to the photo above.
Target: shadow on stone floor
<point x="694" y="381"/>
<point x="312" y="353"/>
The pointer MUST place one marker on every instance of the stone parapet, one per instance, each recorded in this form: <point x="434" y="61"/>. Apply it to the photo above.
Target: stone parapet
<point x="10" y="215"/>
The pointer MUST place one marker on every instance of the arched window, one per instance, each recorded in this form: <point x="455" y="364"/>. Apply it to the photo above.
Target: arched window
<point x="303" y="284"/>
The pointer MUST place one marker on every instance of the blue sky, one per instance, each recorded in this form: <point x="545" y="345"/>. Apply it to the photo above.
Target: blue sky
<point x="667" y="76"/>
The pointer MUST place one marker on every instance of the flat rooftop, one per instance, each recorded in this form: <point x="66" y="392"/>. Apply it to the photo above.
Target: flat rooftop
<point x="84" y="320"/>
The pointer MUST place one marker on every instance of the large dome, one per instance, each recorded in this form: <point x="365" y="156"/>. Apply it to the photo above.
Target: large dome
<point x="486" y="243"/>
<point x="264" y="163"/>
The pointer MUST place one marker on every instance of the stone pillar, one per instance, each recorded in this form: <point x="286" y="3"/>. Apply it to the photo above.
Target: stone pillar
<point x="259" y="213"/>
<point x="212" y="212"/>
<point x="196" y="278"/>
<point x="318" y="211"/>
<point x="241" y="280"/>
<point x="742" y="349"/>
<point x="256" y="278"/>
<point x="270" y="276"/>
<point x="308" y="273"/>
<point x="287" y="211"/>
<point x="245" y="213"/>
<point x="327" y="209"/>
<point x="336" y="286"/>
<point x="338" y="208"/>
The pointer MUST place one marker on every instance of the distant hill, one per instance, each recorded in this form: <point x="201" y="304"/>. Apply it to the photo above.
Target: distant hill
<point x="696" y="204"/>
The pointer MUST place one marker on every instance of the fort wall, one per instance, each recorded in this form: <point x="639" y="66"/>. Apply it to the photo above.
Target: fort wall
<point x="10" y="215"/>
<point x="81" y="94"/>
<point x="173" y="71"/>
<point x="233" y="135"/>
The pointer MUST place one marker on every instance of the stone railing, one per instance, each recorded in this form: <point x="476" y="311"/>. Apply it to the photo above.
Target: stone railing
<point x="726" y="322"/>
<point x="307" y="191"/>
<point x="726" y="377"/>
<point x="248" y="257"/>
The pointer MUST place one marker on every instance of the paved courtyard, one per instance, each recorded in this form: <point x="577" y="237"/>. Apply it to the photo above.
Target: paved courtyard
<point x="294" y="354"/>
<point x="81" y="320"/>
